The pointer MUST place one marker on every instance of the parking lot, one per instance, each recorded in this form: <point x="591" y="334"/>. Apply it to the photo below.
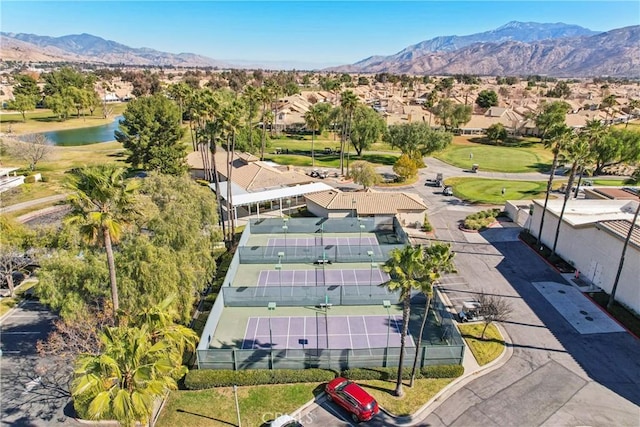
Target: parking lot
<point x="31" y="394"/>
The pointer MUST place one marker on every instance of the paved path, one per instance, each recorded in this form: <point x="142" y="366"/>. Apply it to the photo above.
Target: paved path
<point x="33" y="203"/>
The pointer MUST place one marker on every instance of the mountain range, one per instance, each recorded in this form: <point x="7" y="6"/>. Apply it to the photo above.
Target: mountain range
<point x="517" y="48"/>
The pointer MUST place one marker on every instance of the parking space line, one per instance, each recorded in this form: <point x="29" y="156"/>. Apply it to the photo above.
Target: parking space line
<point x="337" y="414"/>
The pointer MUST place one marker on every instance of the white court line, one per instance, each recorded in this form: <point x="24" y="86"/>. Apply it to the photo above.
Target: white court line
<point x="255" y="332"/>
<point x="349" y="327"/>
<point x="246" y="329"/>
<point x="288" y="330"/>
<point x="366" y="333"/>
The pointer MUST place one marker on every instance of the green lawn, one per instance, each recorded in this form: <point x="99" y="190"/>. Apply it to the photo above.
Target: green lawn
<point x="216" y="407"/>
<point x="485" y="350"/>
<point x="478" y="190"/>
<point x="527" y="157"/>
<point x="43" y="120"/>
<point x="605" y="182"/>
<point x="303" y="158"/>
<point x="413" y="399"/>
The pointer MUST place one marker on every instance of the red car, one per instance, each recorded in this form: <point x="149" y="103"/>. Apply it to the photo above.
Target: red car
<point x="360" y="404"/>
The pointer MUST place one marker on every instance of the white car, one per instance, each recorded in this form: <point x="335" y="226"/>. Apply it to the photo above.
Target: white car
<point x="285" y="421"/>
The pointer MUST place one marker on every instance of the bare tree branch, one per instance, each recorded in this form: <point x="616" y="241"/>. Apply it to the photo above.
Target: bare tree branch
<point x="493" y="308"/>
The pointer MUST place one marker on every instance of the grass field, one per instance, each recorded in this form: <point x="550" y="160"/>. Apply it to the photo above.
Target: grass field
<point x="489" y="191"/>
<point x="43" y="120"/>
<point x="413" y="399"/>
<point x="526" y="157"/>
<point x="216" y="407"/>
<point x="484" y="350"/>
<point x="54" y="169"/>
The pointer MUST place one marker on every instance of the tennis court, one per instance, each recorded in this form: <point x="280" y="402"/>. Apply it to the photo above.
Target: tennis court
<point x="322" y="277"/>
<point x="324" y="332"/>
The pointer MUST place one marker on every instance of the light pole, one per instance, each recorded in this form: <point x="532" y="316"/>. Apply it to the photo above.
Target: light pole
<point x="360" y="240"/>
<point x="271" y="307"/>
<point x="285" y="227"/>
<point x="278" y="267"/>
<point x="372" y="266"/>
<point x="386" y="304"/>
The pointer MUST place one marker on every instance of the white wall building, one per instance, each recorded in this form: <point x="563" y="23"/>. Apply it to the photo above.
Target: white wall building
<point x="592" y="236"/>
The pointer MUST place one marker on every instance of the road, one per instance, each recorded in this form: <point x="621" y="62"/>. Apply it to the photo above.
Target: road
<point x="555" y="376"/>
<point x="31" y="395"/>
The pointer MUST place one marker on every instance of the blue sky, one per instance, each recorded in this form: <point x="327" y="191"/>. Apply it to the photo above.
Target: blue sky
<point x="322" y="33"/>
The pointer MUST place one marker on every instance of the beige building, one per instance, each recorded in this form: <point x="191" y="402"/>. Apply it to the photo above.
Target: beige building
<point x="592" y="236"/>
<point x="383" y="206"/>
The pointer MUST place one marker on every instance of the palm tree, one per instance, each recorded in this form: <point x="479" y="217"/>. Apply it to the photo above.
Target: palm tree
<point x="559" y="137"/>
<point x="102" y="203"/>
<point x="633" y="105"/>
<point x="608" y="102"/>
<point x="251" y="96"/>
<point x="594" y="132"/>
<point x="438" y="259"/>
<point x="579" y="153"/>
<point x="132" y="371"/>
<point x="265" y="97"/>
<point x="405" y="267"/>
<point x="316" y="118"/>
<point x="230" y="125"/>
<point x="348" y="102"/>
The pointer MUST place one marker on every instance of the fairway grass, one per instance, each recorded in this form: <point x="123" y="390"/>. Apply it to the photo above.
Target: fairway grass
<point x="43" y="120"/>
<point x="529" y="157"/>
<point x="489" y="191"/>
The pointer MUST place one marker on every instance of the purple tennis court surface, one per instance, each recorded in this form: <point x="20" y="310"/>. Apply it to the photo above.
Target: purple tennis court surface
<point x="331" y="332"/>
<point x="321" y="277"/>
<point x="323" y="241"/>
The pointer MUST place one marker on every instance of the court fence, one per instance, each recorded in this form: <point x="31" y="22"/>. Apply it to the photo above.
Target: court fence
<point x="315" y="254"/>
<point x="291" y="296"/>
<point x="339" y="359"/>
<point x="449" y="349"/>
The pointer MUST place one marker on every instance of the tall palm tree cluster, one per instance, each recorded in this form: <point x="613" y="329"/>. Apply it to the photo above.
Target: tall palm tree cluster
<point x="415" y="269"/>
<point x="577" y="150"/>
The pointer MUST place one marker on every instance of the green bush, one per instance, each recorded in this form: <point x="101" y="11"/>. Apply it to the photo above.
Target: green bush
<point x="203" y="182"/>
<point x="209" y="378"/>
<point x="30" y="179"/>
<point x="426" y="225"/>
<point x="482" y="219"/>
<point x="44" y="178"/>
<point x="384" y="374"/>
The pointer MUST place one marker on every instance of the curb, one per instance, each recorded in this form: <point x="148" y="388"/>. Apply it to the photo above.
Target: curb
<point x="457" y="384"/>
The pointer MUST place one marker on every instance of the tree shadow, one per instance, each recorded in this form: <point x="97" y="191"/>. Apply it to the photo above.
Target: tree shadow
<point x="205" y="416"/>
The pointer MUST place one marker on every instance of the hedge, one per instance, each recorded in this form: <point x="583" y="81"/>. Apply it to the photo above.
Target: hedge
<point x="384" y="374"/>
<point x="482" y="219"/>
<point x="209" y="378"/>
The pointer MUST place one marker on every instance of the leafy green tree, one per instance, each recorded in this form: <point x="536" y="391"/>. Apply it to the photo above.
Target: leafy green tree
<point x="614" y="146"/>
<point x="363" y="81"/>
<point x="557" y="139"/>
<point x="22" y="104"/>
<point x="151" y="133"/>
<point x="58" y="81"/>
<point x="60" y="104"/>
<point x="496" y="133"/>
<point x="367" y="128"/>
<point x="404" y="267"/>
<point x="452" y="115"/>
<point x="437" y="259"/>
<point x="102" y="204"/>
<point x="417" y="140"/>
<point x="364" y="173"/>
<point x="405" y="167"/>
<point x="560" y="90"/>
<point x="550" y="116"/>
<point x="607" y="104"/>
<point x="25" y="85"/>
<point x="487" y="98"/>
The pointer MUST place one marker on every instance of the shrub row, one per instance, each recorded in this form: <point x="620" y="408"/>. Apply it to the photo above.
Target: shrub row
<point x="481" y="219"/>
<point x="211" y="378"/>
<point x="383" y="374"/>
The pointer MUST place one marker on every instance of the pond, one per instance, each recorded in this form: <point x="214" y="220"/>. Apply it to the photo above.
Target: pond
<point x="84" y="136"/>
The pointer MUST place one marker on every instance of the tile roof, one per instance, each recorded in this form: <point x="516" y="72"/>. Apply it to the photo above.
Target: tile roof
<point x="368" y="203"/>
<point x="620" y="228"/>
<point x="253" y="175"/>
